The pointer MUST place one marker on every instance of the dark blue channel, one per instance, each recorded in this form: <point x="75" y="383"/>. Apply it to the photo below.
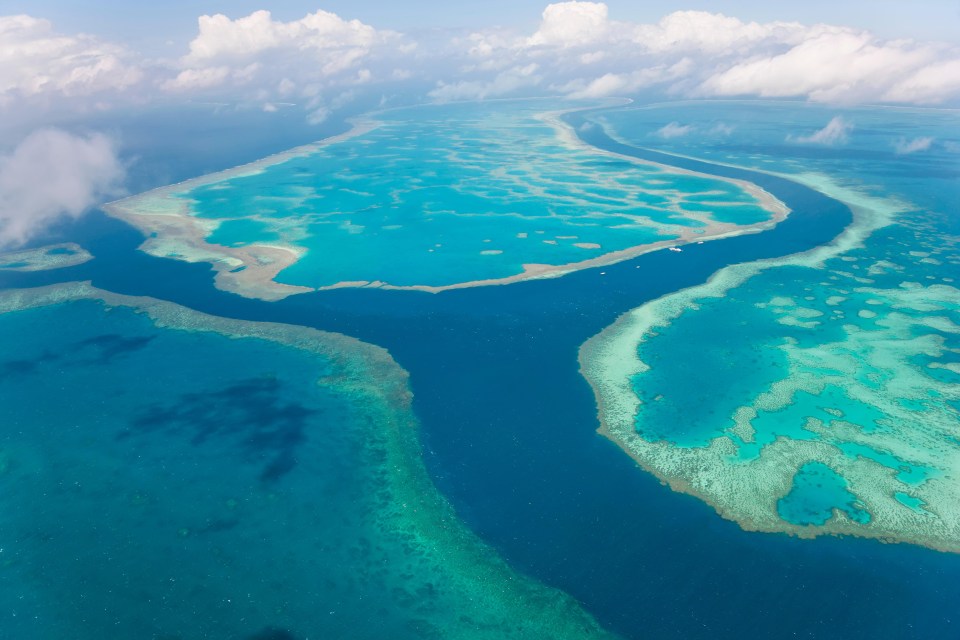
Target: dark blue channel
<point x="509" y="437"/>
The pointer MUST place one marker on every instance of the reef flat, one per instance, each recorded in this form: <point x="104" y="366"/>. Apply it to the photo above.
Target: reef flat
<point x="228" y="478"/>
<point x="437" y="198"/>
<point x="54" y="256"/>
<point x="812" y="394"/>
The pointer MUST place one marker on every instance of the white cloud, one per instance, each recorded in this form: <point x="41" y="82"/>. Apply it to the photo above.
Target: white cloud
<point x="592" y="57"/>
<point x="722" y="129"/>
<point x="568" y="24"/>
<point x="585" y="53"/>
<point x="320" y="49"/>
<point x="53" y="174"/>
<point x="503" y="83"/>
<point x="622" y="83"/>
<point x="712" y="33"/>
<point x="605" y="85"/>
<point x="837" y="131"/>
<point x="904" y="146"/>
<point x="578" y="50"/>
<point x="933" y="83"/>
<point x="37" y="61"/>
<point x="192" y="79"/>
<point x="673" y="130"/>
<point x="223" y="38"/>
<point x="318" y="115"/>
<point x="830" y="65"/>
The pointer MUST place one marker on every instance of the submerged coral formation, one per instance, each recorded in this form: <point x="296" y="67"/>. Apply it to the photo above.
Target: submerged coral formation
<point x="54" y="256"/>
<point x="435" y="198"/>
<point x="826" y="398"/>
<point x="227" y="477"/>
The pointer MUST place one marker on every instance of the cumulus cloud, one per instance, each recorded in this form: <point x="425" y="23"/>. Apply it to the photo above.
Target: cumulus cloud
<point x="190" y="79"/>
<point x="673" y="130"/>
<point x="37" y="61"/>
<point x="713" y="33"/>
<point x="583" y="52"/>
<point x="829" y="65"/>
<point x="579" y="49"/>
<point x="722" y="129"/>
<point x="932" y="83"/>
<point x="315" y="52"/>
<point x="904" y="146"/>
<point x="611" y="84"/>
<point x="221" y="37"/>
<point x="837" y="131"/>
<point x="503" y="83"/>
<point x="51" y="175"/>
<point x="568" y="24"/>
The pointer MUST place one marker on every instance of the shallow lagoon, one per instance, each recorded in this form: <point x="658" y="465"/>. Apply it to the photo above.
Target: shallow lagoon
<point x="438" y="197"/>
<point x="843" y="358"/>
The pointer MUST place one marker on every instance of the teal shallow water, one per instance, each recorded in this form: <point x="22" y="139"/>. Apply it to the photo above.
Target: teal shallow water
<point x="189" y="482"/>
<point x="846" y="363"/>
<point x="817" y="490"/>
<point x="446" y="195"/>
<point x="543" y="492"/>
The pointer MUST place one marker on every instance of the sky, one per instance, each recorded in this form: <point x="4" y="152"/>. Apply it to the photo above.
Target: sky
<point x="320" y="55"/>
<point x="319" y="58"/>
<point x="175" y="20"/>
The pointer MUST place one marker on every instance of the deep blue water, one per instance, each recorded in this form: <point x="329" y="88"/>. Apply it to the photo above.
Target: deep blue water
<point x="508" y="428"/>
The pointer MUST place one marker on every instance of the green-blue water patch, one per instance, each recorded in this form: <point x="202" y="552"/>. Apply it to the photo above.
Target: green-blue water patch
<point x="817" y="490"/>
<point x="452" y="176"/>
<point x="189" y="484"/>
<point x="235" y="233"/>
<point x="913" y="502"/>
<point x="732" y="214"/>
<point x="697" y="378"/>
<point x="907" y="472"/>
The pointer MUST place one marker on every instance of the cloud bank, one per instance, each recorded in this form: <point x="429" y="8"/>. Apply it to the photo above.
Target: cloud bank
<point x="578" y="50"/>
<point x="35" y="61"/>
<point x="312" y="59"/>
<point x="585" y="53"/>
<point x="53" y="175"/>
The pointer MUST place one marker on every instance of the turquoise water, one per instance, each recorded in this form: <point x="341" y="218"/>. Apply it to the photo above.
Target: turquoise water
<point x="460" y="193"/>
<point x="913" y="502"/>
<point x="818" y="490"/>
<point x="534" y="478"/>
<point x="161" y="483"/>
<point x="857" y="351"/>
<point x="235" y="233"/>
<point x="698" y="378"/>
